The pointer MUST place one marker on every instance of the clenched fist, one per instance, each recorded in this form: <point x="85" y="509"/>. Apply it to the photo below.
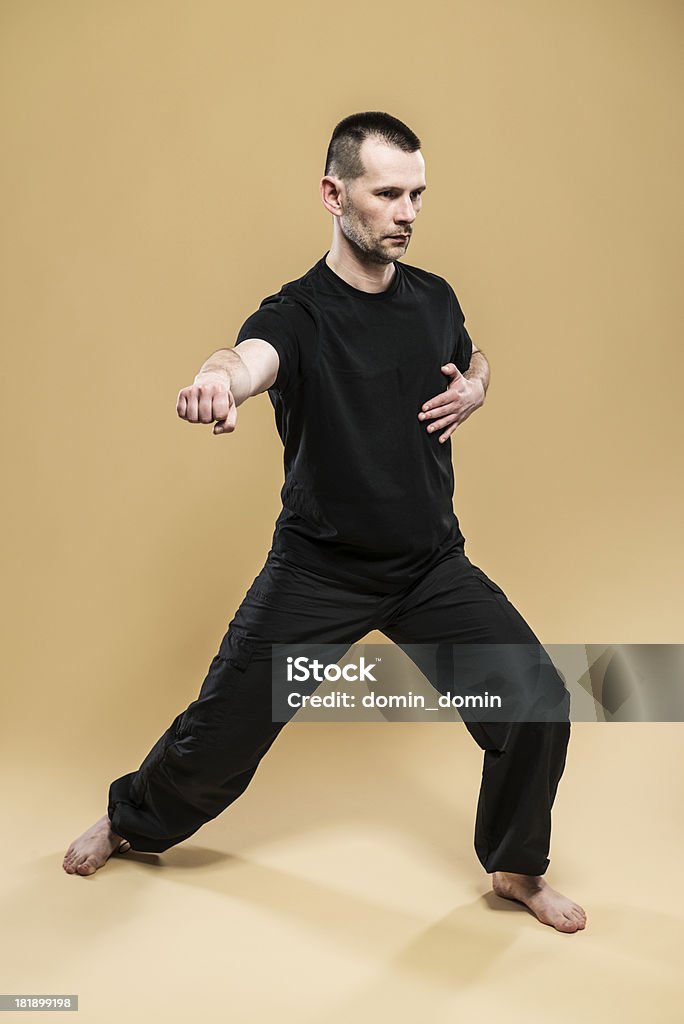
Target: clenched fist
<point x="209" y="398"/>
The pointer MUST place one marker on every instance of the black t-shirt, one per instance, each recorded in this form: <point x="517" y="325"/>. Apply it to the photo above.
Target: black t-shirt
<point x="367" y="497"/>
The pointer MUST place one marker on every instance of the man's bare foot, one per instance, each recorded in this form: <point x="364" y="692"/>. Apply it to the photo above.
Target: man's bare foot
<point x="549" y="906"/>
<point x="90" y="851"/>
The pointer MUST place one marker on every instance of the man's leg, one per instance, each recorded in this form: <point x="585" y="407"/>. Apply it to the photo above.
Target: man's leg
<point x="205" y="759"/>
<point x="456" y="603"/>
<point x="209" y="754"/>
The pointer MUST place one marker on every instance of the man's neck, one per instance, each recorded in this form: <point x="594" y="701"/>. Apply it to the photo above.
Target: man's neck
<point x="374" y="278"/>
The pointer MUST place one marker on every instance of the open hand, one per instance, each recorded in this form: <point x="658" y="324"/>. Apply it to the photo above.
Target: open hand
<point x="453" y="406"/>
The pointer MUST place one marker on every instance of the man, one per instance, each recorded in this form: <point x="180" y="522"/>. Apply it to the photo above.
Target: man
<point x="370" y="369"/>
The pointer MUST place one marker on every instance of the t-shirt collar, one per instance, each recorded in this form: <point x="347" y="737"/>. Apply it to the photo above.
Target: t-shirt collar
<point x="334" y="278"/>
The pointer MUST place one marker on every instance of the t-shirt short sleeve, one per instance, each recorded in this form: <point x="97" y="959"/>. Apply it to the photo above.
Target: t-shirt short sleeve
<point x="463" y="345"/>
<point x="278" y="320"/>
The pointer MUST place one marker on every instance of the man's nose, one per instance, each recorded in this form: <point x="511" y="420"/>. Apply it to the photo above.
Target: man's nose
<point x="406" y="213"/>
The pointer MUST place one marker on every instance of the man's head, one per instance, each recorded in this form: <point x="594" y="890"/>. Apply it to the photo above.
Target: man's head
<point x="373" y="182"/>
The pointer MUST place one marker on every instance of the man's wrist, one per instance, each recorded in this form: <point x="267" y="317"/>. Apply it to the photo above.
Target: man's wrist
<point x="475" y="378"/>
<point x="212" y="371"/>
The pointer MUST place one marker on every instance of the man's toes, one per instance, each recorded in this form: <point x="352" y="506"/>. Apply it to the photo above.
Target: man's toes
<point x="75" y="862"/>
<point x="88" y="866"/>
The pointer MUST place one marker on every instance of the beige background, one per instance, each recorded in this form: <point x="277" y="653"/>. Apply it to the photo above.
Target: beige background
<point x="160" y="176"/>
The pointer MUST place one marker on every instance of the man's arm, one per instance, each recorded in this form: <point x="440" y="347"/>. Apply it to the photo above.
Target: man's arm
<point x="464" y="394"/>
<point x="251" y="367"/>
<point x="227" y="379"/>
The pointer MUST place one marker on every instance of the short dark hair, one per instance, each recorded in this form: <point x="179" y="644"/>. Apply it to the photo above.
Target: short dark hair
<point x="343" y="158"/>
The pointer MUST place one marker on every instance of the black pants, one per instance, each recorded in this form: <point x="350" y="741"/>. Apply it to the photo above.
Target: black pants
<point x="207" y="757"/>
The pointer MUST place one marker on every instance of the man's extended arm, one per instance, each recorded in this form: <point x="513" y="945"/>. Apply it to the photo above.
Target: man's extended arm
<point x="225" y="380"/>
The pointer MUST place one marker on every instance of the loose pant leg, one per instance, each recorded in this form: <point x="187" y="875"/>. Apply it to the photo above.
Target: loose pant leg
<point x="210" y="752"/>
<point x="457" y="603"/>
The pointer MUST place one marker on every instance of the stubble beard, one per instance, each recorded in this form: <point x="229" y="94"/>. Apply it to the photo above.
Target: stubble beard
<point x="367" y="248"/>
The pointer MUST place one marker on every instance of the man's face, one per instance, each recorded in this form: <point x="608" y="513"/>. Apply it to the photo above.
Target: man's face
<point x="382" y="203"/>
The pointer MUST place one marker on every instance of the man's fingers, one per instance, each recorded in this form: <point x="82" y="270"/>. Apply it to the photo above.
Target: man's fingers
<point x="204" y="403"/>
<point x="438" y="405"/>
<point x="207" y="396"/>
<point x="191" y="411"/>
<point x="444" y="422"/>
<point x="220" y="406"/>
<point x="447" y="433"/>
<point x="452" y="393"/>
<point x="227" y="425"/>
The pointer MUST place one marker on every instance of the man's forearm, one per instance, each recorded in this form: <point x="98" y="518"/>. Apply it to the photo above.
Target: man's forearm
<point x="479" y="368"/>
<point x="227" y="361"/>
